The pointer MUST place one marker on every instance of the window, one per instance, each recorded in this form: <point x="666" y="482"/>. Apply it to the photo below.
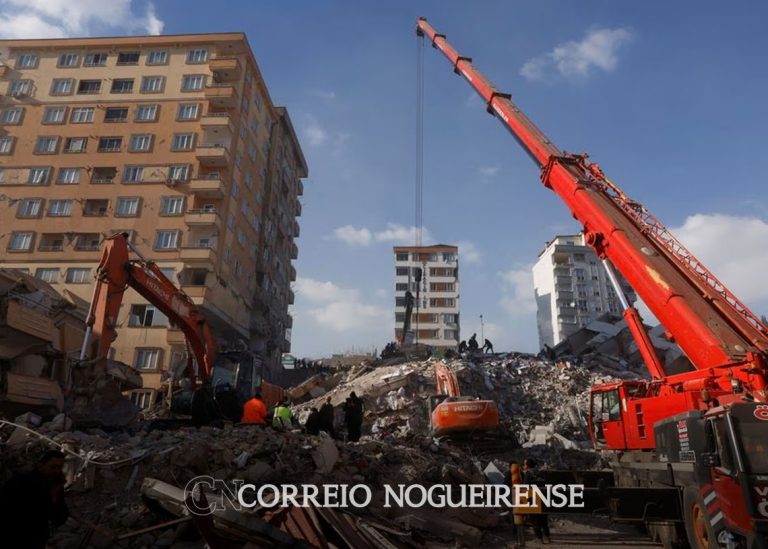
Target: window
<point x="157" y="57"/>
<point x="192" y="82"/>
<point x="152" y="84"/>
<point x="19" y="87"/>
<point x="54" y="115"/>
<point x="11" y="116"/>
<point x="20" y="242"/>
<point x="257" y="100"/>
<point x="197" y="55"/>
<point x="231" y="221"/>
<point x="140" y="142"/>
<point x="187" y="111"/>
<point x="46" y="144"/>
<point x="89" y="86"/>
<point x="82" y="115"/>
<point x="68" y="176"/>
<point x="402" y="287"/>
<point x="60" y="208"/>
<point x="62" y="86"/>
<point x="235" y="189"/>
<point x="133" y="174"/>
<point x="51" y="276"/>
<point x="75" y="144"/>
<point x="127" y="207"/>
<point x="241" y="237"/>
<point x="401" y="271"/>
<point x="147" y="359"/>
<point x="78" y="276"/>
<point x="116" y="114"/>
<point x="88" y="242"/>
<point x="169" y="273"/>
<point x="195" y="277"/>
<point x="166" y="240"/>
<point x="128" y="58"/>
<point x="122" y="85"/>
<point x="96" y="207"/>
<point x="6" y="144"/>
<point x="146" y="113"/>
<point x="145" y="316"/>
<point x="179" y="172"/>
<point x="29" y="207"/>
<point x="579" y="257"/>
<point x="95" y="60"/>
<point x="254" y="125"/>
<point x="252" y="152"/>
<point x="68" y="60"/>
<point x="104" y="175"/>
<point x="183" y="142"/>
<point x="26" y="61"/>
<point x="172" y="205"/>
<point x="110" y="144"/>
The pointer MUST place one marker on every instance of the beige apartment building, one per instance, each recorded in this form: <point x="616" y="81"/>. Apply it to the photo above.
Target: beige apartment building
<point x="173" y="139"/>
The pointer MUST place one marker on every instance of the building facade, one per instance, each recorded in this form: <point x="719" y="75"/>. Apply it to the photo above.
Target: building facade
<point x="435" y="317"/>
<point x="572" y="289"/>
<point x="174" y="140"/>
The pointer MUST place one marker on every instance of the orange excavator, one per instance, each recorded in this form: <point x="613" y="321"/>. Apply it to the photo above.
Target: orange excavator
<point x="219" y="381"/>
<point x="454" y="415"/>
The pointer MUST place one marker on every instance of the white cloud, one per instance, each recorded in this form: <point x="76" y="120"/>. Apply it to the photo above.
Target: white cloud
<point x="598" y="50"/>
<point x="353" y="236"/>
<point x="488" y="171"/>
<point x="328" y="95"/>
<point x="381" y="293"/>
<point x="468" y="252"/>
<point x="313" y="132"/>
<point x="61" y="18"/>
<point x="400" y="234"/>
<point x="517" y="291"/>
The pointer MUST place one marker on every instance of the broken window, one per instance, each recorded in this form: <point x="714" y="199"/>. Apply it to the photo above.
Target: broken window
<point x="146" y="316"/>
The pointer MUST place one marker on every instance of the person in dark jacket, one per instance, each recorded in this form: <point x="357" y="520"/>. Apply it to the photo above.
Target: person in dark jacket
<point x="312" y="425"/>
<point x="472" y="343"/>
<point x="540" y="521"/>
<point x="462" y="347"/>
<point x="353" y="417"/>
<point x="327" y="415"/>
<point x="488" y="346"/>
<point x="32" y="503"/>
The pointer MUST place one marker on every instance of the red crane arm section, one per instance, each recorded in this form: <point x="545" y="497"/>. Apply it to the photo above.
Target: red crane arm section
<point x="445" y="378"/>
<point x="709" y="323"/>
<point x="116" y="273"/>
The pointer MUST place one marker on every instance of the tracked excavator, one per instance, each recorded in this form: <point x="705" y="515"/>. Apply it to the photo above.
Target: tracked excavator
<point x="689" y="450"/>
<point x="216" y="382"/>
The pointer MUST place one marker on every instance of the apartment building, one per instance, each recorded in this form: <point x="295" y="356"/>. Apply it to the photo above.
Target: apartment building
<point x="572" y="289"/>
<point x="435" y="317"/>
<point x="173" y="139"/>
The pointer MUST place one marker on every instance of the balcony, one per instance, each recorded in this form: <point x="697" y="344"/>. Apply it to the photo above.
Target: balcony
<point x="198" y="254"/>
<point x="291" y="297"/>
<point x="294" y="251"/>
<point x="212" y="155"/>
<point x="226" y="69"/>
<point x="292" y="273"/>
<point x="174" y="336"/>
<point x="296" y="229"/>
<point x="217" y="121"/>
<point x="202" y="218"/>
<point x="298" y="209"/>
<point x="223" y="96"/>
<point x="300" y="188"/>
<point x="207" y="186"/>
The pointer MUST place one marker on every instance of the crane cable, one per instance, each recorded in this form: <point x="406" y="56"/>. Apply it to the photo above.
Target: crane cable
<point x="419" y="186"/>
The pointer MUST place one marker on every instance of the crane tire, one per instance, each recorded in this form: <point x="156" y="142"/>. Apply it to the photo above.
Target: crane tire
<point x="697" y="527"/>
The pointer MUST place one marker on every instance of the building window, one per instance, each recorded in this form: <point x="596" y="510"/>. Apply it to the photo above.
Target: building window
<point x="172" y="205"/>
<point x="449" y="319"/>
<point x="257" y="100"/>
<point x="231" y="221"/>
<point x="188" y="111"/>
<point x="46" y="144"/>
<point x="54" y="115"/>
<point x="133" y="174"/>
<point x="147" y="359"/>
<point x="88" y="242"/>
<point x="29" y="207"/>
<point x="146" y="113"/>
<point x="235" y="189"/>
<point x="75" y="144"/>
<point x="110" y="144"/>
<point x="68" y="60"/>
<point x="145" y="316"/>
<point x="82" y="115"/>
<point x="6" y="144"/>
<point x="19" y="87"/>
<point x="197" y="55"/>
<point x="401" y="287"/>
<point x="179" y="172"/>
<point x="401" y="271"/>
<point x="11" y="116"/>
<point x="166" y="240"/>
<point x="103" y="175"/>
<point x="62" y="86"/>
<point x="241" y="237"/>
<point x="152" y="84"/>
<point x="128" y="58"/>
<point x="20" y="242"/>
<point x="68" y="176"/>
<point x="127" y="207"/>
<point x="140" y="143"/>
<point x="89" y="87"/>
<point x="122" y="85"/>
<point x="183" y="142"/>
<point x="157" y="57"/>
<point x="26" y="61"/>
<point x="51" y="276"/>
<point x="116" y="114"/>
<point x="401" y="257"/>
<point x="78" y="276"/>
<point x="95" y="60"/>
<point x="60" y="208"/>
<point x="192" y="82"/>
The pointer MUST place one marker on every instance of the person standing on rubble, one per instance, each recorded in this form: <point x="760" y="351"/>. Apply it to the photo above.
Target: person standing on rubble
<point x="33" y="502"/>
<point x="462" y="347"/>
<point x="312" y="425"/>
<point x="255" y="411"/>
<point x="472" y="344"/>
<point x="327" y="416"/>
<point x="282" y="419"/>
<point x="540" y="521"/>
<point x="487" y="346"/>
<point x="353" y="416"/>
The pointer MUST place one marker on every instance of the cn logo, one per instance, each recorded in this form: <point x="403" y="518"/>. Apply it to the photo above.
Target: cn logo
<point x="761" y="412"/>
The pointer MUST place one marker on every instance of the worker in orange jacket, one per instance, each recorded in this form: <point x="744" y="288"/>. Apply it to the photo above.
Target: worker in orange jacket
<point x="255" y="411"/>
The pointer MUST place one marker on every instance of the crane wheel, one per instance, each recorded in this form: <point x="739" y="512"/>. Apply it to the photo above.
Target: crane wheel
<point x="697" y="527"/>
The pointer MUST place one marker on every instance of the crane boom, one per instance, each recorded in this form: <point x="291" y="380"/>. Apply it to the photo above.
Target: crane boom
<point x="712" y="326"/>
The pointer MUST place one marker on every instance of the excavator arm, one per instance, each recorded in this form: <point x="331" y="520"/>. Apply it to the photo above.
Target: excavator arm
<point x="115" y="274"/>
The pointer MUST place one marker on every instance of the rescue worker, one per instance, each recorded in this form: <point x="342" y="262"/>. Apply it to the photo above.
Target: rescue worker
<point x="472" y="343"/>
<point x="353" y="416"/>
<point x="282" y="418"/>
<point x="312" y="425"/>
<point x="462" y="347"/>
<point x="488" y="346"/>
<point x="32" y="502"/>
<point x="327" y="416"/>
<point x="540" y="521"/>
<point x="255" y="411"/>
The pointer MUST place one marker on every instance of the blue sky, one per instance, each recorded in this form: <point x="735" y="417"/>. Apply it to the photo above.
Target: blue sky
<point x="669" y="98"/>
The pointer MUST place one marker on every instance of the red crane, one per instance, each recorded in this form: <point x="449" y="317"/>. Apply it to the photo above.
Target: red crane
<point x="696" y="421"/>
